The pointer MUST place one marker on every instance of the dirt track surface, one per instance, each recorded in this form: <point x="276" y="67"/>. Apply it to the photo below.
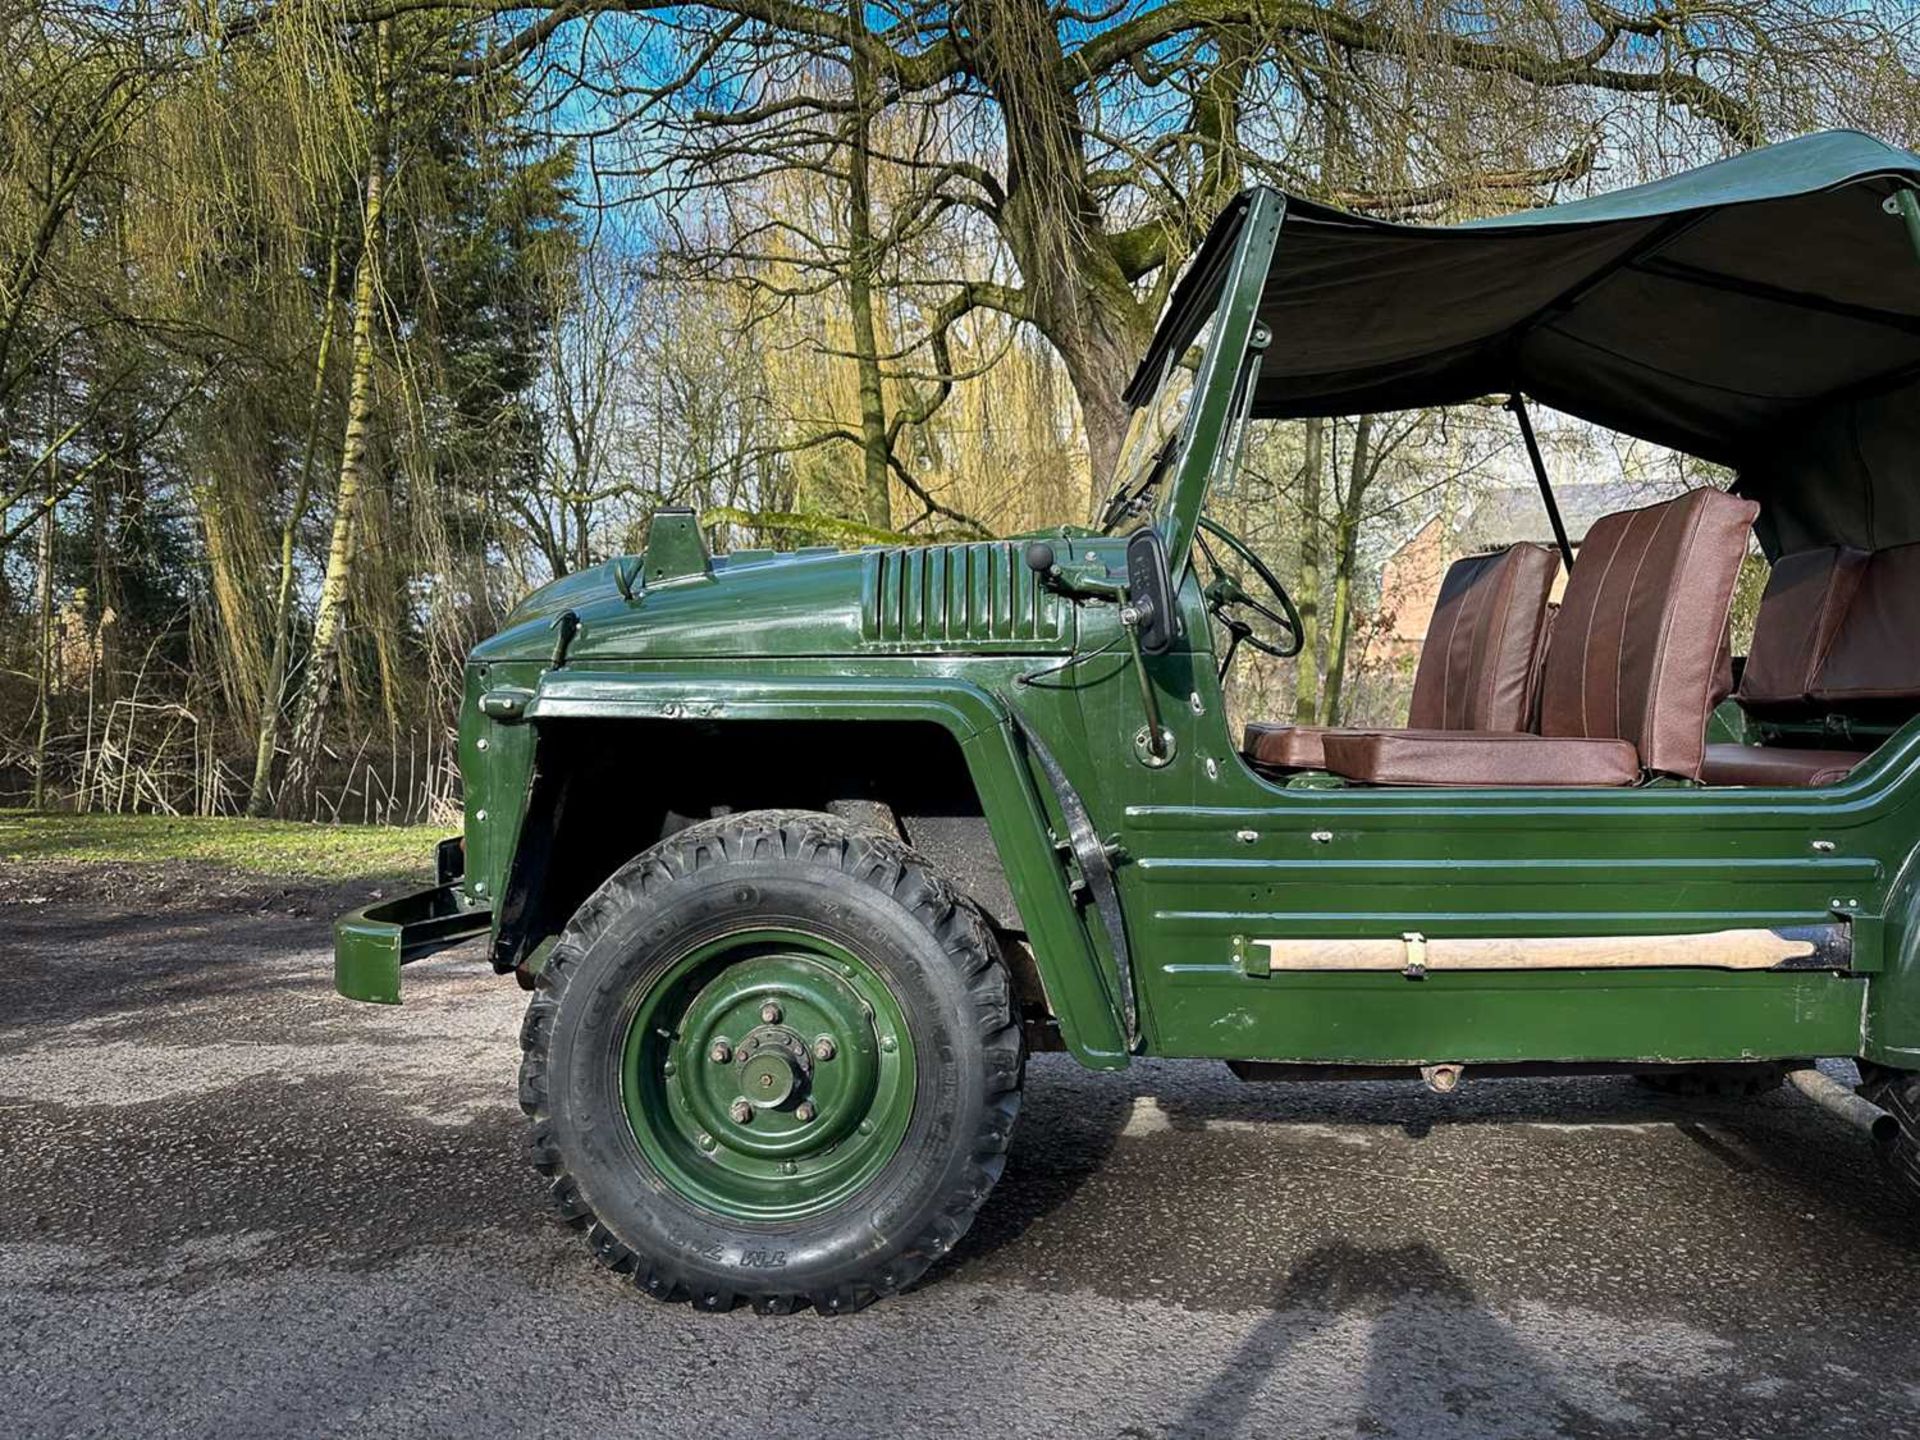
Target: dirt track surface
<point x="234" y="1205"/>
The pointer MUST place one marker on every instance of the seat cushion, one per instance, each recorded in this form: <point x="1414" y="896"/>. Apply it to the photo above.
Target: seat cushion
<point x="1286" y="747"/>
<point x="1806" y="600"/>
<point x="1455" y="757"/>
<point x="1636" y="647"/>
<point x="1480" y="664"/>
<point x="1777" y="765"/>
<point x="1479" y="668"/>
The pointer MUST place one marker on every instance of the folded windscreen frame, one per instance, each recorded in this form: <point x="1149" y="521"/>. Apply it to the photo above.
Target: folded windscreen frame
<point x="1762" y="312"/>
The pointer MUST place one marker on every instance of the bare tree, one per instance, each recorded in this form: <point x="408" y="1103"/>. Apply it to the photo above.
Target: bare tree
<point x="1097" y="147"/>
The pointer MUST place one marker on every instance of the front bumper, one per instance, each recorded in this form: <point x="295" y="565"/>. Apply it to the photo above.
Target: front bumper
<point x="372" y="943"/>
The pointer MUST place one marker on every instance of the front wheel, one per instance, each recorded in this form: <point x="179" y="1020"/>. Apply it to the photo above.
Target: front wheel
<point x="772" y="1059"/>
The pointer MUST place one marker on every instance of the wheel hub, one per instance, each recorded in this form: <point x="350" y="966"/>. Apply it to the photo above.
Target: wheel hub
<point x="774" y="1066"/>
<point x="773" y="1071"/>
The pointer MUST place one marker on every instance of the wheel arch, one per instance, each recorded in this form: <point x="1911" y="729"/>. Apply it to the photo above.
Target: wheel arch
<point x="938" y="760"/>
<point x="1893" y="999"/>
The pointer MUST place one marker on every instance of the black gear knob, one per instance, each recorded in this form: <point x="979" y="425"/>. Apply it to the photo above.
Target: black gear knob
<point x="1039" y="557"/>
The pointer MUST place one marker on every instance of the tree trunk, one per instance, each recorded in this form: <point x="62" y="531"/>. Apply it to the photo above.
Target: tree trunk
<point x="875" y="449"/>
<point x="274" y="700"/>
<point x="1101" y="348"/>
<point x="1346" y="554"/>
<point x="43" y="686"/>
<point x="1306" y="675"/>
<point x="1077" y="294"/>
<point x="323" y="661"/>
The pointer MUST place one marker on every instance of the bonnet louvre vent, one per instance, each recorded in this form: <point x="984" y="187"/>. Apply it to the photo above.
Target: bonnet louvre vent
<point x="956" y="595"/>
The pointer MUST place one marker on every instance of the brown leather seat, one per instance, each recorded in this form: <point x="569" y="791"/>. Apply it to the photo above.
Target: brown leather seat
<point x="1479" y="668"/>
<point x="1635" y="660"/>
<point x="1287" y="747"/>
<point x="1777" y="765"/>
<point x="1806" y="599"/>
<point x="1871" y="667"/>
<point x="1833" y="637"/>
<point x="1459" y="757"/>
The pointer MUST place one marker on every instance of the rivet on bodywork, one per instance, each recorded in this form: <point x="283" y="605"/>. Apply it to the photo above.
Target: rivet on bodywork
<point x="1213" y="768"/>
<point x="1246" y="837"/>
<point x="479" y="887"/>
<point x="481" y="743"/>
<point x="479" y="814"/>
<point x="1322" y="837"/>
<point x="1822" y="847"/>
<point x="1196" y="704"/>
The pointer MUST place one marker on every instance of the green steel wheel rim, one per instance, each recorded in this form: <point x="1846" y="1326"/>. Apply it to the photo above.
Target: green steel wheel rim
<point x="768" y="1075"/>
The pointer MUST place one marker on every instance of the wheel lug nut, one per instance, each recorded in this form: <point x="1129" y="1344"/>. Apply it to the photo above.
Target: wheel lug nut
<point x="888" y="1043"/>
<point x="804" y="1111"/>
<point x="770" y="1013"/>
<point x="706" y="1141"/>
<point x="721" y="1052"/>
<point x="741" y="1111"/>
<point x="823" y="1048"/>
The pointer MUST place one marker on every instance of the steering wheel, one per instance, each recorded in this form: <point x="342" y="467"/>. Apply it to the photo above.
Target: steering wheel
<point x="1281" y="635"/>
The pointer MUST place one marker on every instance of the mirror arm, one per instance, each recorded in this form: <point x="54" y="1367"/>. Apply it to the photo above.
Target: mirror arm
<point x="1082" y="577"/>
<point x="1092" y="578"/>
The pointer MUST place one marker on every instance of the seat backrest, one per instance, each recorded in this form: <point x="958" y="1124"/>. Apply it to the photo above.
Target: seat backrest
<point x="1636" y="648"/>
<point x="1807" y="597"/>
<point x="1871" y="666"/>
<point x="1480" y="666"/>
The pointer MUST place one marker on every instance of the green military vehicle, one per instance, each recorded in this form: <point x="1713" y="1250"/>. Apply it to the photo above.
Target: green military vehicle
<point x="802" y="854"/>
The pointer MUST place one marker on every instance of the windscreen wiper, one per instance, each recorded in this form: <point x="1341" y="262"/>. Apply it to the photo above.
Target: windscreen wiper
<point x="1123" y="502"/>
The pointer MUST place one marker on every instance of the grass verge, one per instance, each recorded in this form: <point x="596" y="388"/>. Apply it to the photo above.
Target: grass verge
<point x="268" y="847"/>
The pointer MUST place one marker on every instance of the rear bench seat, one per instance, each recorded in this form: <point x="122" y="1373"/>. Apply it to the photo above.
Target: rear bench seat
<point x="1480" y="666"/>
<point x="1834" y="637"/>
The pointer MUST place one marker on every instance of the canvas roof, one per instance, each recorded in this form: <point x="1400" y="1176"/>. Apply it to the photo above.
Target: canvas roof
<point x="1762" y="312"/>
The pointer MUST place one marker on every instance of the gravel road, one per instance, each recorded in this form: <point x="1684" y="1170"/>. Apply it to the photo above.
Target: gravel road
<point x="234" y="1205"/>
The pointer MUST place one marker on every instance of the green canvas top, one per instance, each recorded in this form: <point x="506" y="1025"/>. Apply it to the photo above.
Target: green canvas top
<point x="1762" y="312"/>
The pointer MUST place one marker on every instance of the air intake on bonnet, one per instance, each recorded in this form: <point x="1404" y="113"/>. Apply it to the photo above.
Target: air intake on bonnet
<point x="956" y="595"/>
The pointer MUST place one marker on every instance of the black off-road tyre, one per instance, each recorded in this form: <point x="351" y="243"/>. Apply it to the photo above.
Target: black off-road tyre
<point x="867" y="891"/>
<point x="1719" y="1082"/>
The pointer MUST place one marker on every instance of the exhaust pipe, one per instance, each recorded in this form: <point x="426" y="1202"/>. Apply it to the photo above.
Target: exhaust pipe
<point x="1837" y="1099"/>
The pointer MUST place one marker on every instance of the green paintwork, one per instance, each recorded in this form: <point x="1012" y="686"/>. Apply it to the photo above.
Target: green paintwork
<point x="372" y="943"/>
<point x="675" y="552"/>
<point x="1206" y="851"/>
<point x="980" y="597"/>
<point x="1204" y="449"/>
<point x="818" y="1129"/>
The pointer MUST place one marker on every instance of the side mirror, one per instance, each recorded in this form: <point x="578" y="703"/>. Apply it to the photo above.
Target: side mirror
<point x="1150" y="592"/>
